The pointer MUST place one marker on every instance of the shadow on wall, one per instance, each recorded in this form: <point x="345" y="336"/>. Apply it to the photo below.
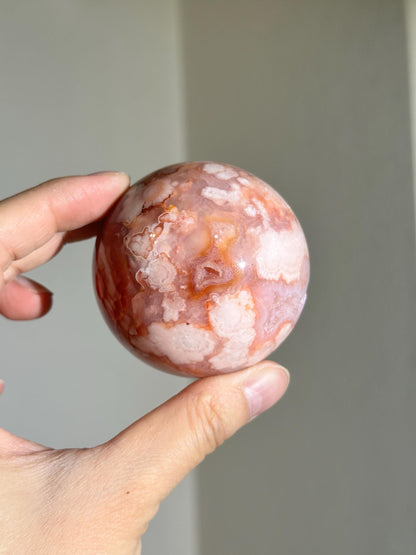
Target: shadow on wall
<point x="312" y="97"/>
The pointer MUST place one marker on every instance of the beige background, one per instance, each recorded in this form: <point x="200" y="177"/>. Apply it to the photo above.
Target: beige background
<point x="313" y="97"/>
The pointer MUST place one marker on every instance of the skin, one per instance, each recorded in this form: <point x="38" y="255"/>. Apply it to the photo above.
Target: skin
<point x="101" y="499"/>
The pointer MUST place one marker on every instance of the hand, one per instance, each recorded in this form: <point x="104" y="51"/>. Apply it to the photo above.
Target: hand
<point x="101" y="500"/>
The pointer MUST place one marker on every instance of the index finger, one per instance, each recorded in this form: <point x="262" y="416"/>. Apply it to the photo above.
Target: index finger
<point x="30" y="219"/>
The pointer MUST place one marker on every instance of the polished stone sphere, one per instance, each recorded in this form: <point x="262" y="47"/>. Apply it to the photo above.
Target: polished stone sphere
<point x="201" y="268"/>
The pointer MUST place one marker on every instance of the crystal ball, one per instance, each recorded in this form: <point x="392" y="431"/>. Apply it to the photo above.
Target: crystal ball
<point x="201" y="268"/>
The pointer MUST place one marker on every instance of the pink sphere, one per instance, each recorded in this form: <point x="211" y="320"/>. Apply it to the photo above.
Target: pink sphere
<point x="201" y="268"/>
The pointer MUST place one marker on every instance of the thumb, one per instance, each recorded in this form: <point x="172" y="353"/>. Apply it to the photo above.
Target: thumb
<point x="166" y="444"/>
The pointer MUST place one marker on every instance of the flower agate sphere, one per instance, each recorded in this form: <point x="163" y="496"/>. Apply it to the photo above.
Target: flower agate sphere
<point x="201" y="268"/>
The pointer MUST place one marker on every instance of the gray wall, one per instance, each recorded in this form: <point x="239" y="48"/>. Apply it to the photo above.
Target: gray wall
<point x="313" y="97"/>
<point x="410" y="16"/>
<point x="86" y="86"/>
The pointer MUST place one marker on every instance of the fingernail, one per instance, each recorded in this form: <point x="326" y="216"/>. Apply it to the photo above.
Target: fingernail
<point x="1" y="386"/>
<point x="32" y="285"/>
<point x="105" y="172"/>
<point x="264" y="389"/>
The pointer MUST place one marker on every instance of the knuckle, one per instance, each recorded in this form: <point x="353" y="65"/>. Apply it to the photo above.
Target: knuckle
<point x="207" y="423"/>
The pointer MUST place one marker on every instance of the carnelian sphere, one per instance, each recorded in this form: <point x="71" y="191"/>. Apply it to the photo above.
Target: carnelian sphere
<point x="201" y="268"/>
